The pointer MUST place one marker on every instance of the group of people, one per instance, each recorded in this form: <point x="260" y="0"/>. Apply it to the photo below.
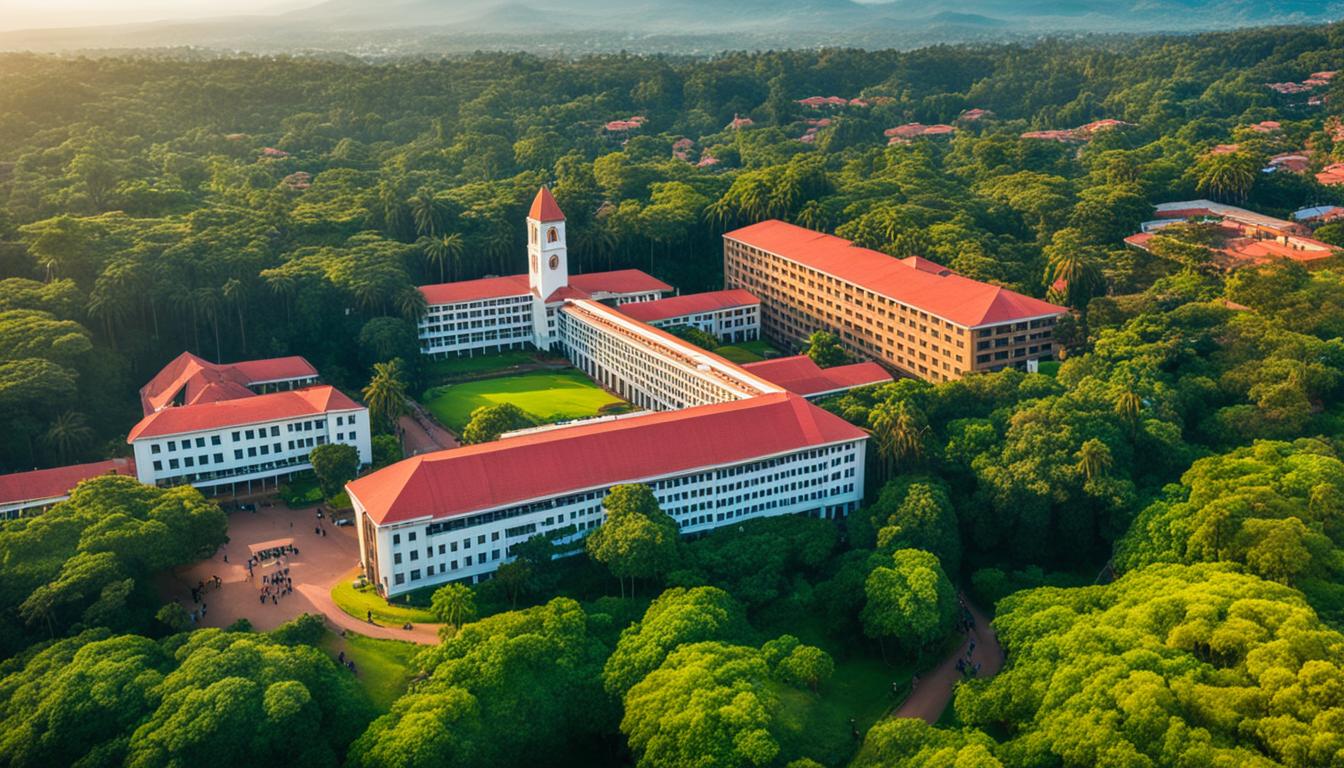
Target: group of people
<point x="349" y="663"/>
<point x="198" y="591"/>
<point x="275" y="586"/>
<point x="967" y="665"/>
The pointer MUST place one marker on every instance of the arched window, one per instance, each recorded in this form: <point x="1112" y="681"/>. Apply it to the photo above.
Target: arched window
<point x="532" y="233"/>
<point x="552" y="235"/>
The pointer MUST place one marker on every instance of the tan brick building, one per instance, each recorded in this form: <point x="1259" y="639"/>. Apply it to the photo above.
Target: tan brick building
<point x="911" y="314"/>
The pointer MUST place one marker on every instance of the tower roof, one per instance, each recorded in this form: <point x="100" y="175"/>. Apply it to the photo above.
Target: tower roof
<point x="544" y="207"/>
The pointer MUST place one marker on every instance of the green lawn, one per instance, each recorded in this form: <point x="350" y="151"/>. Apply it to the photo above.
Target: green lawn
<point x="301" y="491"/>
<point x="453" y="367"/>
<point x="748" y="351"/>
<point x="548" y="396"/>
<point x="358" y="603"/>
<point x="816" y="725"/>
<point x="383" y="667"/>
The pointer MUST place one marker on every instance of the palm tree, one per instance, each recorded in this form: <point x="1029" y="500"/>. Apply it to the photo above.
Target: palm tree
<point x="899" y="435"/>
<point x="236" y="294"/>
<point x="721" y="213"/>
<point x="426" y="212"/>
<point x="1078" y="276"/>
<point x="68" y="435"/>
<point x="208" y="301"/>
<point x="283" y="284"/>
<point x="1128" y="406"/>
<point x="1228" y="176"/>
<point x="411" y="304"/>
<point x="453" y="604"/>
<point x="442" y="249"/>
<point x="386" y="394"/>
<point x="1094" y="458"/>
<point x="812" y="216"/>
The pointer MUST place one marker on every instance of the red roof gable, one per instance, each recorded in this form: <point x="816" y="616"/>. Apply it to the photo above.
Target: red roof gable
<point x="690" y="304"/>
<point x="475" y="290"/>
<point x="207" y="382"/>
<point x="618" y="281"/>
<point x="803" y="377"/>
<point x="43" y="484"/>
<point x="951" y="296"/>
<point x="309" y="401"/>
<point x="565" y="459"/>
<point x="544" y="207"/>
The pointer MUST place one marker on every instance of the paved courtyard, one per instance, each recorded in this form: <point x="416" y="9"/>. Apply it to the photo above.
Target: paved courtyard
<point x="321" y="561"/>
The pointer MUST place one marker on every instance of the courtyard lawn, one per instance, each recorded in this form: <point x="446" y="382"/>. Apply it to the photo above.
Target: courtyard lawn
<point x="547" y="396"/>
<point x="359" y="602"/>
<point x="453" y="367"/>
<point x="383" y="667"/>
<point x="816" y="725"/>
<point x="748" y="351"/>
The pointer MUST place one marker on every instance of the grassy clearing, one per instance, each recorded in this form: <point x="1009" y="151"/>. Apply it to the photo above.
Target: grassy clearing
<point x="383" y="667"/>
<point x="452" y="367"/>
<point x="359" y="602"/>
<point x="548" y="396"/>
<point x="816" y="725"/>
<point x="748" y="351"/>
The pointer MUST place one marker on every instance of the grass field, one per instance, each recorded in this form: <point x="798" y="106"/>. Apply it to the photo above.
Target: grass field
<point x="452" y="367"/>
<point x="747" y="351"/>
<point x="358" y="603"/>
<point x="383" y="667"/>
<point x="548" y="396"/>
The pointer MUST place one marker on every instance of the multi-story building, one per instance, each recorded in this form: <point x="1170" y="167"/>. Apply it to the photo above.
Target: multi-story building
<point x="457" y="514"/>
<point x="252" y="423"/>
<point x="29" y="493"/>
<point x="649" y="367"/>
<point x="518" y="311"/>
<point x="911" y="314"/>
<point x="1240" y="237"/>
<point x="732" y="315"/>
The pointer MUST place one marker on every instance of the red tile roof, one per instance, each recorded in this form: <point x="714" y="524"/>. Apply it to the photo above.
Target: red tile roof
<point x="803" y="377"/>
<point x="1331" y="174"/>
<point x="44" y="484"/>
<point x="309" y="401"/>
<point x="618" y="281"/>
<point x="944" y="293"/>
<point x="690" y="304"/>
<point x="582" y="286"/>
<point x="1238" y="250"/>
<point x="544" y="207"/>
<point x="585" y="456"/>
<point x="207" y="382"/>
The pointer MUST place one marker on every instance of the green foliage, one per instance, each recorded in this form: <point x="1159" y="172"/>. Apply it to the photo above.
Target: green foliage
<point x="210" y="698"/>
<point x="677" y="617"/>
<point x="453" y="604"/>
<point x="637" y="540"/>
<point x="538" y="666"/>
<point x="825" y="350"/>
<point x="916" y="513"/>
<point x="386" y="450"/>
<point x="911" y="743"/>
<point x="490" y="421"/>
<point x="695" y="336"/>
<point x="910" y="601"/>
<point x="1170" y="665"/>
<point x="90" y="560"/>
<point x="756" y="561"/>
<point x="334" y="464"/>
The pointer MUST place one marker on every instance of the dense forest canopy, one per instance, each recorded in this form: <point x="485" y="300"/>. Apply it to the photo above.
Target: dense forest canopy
<point x="1156" y="517"/>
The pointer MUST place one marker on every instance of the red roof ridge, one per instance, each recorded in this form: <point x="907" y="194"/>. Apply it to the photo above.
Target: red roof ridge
<point x="39" y="484"/>
<point x="273" y="406"/>
<point x="584" y="456"/>
<point x="688" y="304"/>
<point x="544" y="207"/>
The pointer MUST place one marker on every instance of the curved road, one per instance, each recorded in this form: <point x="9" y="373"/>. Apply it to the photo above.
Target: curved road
<point x="934" y="691"/>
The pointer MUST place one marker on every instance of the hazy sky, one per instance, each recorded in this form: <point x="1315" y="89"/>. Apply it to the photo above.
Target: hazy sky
<point x="20" y="14"/>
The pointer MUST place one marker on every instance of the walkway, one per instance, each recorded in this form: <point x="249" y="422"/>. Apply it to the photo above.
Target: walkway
<point x="931" y="696"/>
<point x="421" y="433"/>
<point x="322" y="561"/>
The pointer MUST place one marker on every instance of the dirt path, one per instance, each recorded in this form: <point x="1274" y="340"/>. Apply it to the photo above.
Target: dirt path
<point x="420" y="433"/>
<point x="935" y="688"/>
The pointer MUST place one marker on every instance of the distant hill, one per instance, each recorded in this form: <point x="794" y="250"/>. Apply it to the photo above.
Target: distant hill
<point x="373" y="27"/>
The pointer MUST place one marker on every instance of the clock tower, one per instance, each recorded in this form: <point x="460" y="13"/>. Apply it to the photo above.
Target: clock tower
<point x="547" y="261"/>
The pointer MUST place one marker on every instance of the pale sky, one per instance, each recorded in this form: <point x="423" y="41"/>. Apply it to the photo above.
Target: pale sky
<point x="22" y="14"/>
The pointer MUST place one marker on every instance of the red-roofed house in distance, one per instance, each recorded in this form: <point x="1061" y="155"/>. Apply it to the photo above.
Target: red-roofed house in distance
<point x="471" y="317"/>
<point x="732" y="315"/>
<point x="28" y="493"/>
<point x="912" y="315"/>
<point x="1242" y="237"/>
<point x="801" y="376"/>
<point x="1331" y="175"/>
<point x="246" y="424"/>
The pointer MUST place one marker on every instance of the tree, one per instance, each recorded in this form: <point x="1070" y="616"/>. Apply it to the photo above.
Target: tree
<point x="174" y="617"/>
<point x="917" y="513"/>
<point x="335" y="464"/>
<point x="386" y="450"/>
<point x="442" y="249"/>
<point x="68" y="434"/>
<point x="1227" y="177"/>
<point x="637" y="540"/>
<point x="677" y="617"/>
<point x="488" y="422"/>
<point x="1094" y="459"/>
<point x="453" y="604"/>
<point x="910" y="601"/>
<point x="806" y="665"/>
<point x="388" y="338"/>
<point x="825" y="350"/>
<point x="707" y="704"/>
<point x="386" y="394"/>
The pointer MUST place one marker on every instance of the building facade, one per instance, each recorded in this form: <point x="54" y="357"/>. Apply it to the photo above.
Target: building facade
<point x="732" y="316"/>
<point x="456" y="515"/>
<point x="30" y="493"/>
<point x="912" y="315"/>
<point x="243" y="426"/>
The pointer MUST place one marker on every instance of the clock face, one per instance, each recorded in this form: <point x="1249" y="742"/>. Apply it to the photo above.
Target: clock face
<point x="555" y="262"/>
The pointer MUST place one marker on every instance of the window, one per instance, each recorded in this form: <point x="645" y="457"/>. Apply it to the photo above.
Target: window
<point x="399" y="579"/>
<point x="236" y="436"/>
<point x="251" y="433"/>
<point x="275" y="431"/>
<point x="200" y="442"/>
<point x="396" y="558"/>
<point x="158" y="465"/>
<point x="415" y="574"/>
<point x="214" y="440"/>
<point x="396" y="538"/>
<point x="552" y="235"/>
<point x="154" y="448"/>
<point x="238" y="453"/>
<point x="219" y="458"/>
